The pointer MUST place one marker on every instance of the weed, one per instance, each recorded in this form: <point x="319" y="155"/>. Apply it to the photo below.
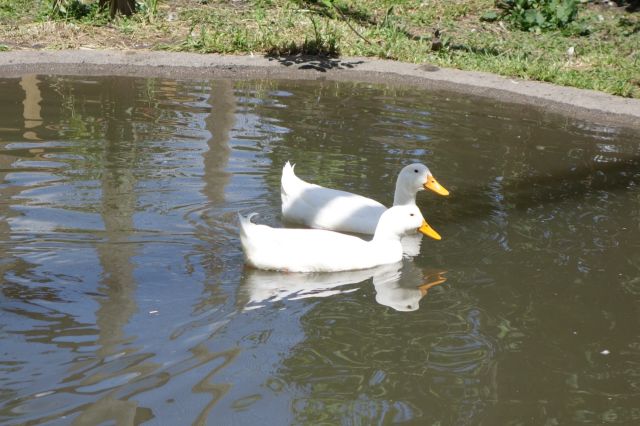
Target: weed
<point x="538" y="15"/>
<point x="11" y="9"/>
<point x="629" y="26"/>
<point x="323" y="43"/>
<point x="75" y="10"/>
<point x="148" y="9"/>
<point x="126" y="26"/>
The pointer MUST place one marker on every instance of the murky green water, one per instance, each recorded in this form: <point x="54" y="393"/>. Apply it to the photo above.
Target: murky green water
<point x="125" y="301"/>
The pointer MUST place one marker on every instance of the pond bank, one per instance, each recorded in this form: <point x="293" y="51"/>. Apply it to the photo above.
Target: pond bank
<point x="571" y="102"/>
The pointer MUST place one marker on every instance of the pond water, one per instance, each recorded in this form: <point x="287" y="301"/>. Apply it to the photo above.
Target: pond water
<point x="125" y="299"/>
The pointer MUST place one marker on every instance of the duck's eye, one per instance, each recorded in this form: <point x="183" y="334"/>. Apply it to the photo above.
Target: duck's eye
<point x="415" y="170"/>
<point x="411" y="214"/>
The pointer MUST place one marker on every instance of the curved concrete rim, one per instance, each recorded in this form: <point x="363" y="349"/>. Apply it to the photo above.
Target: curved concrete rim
<point x="575" y="103"/>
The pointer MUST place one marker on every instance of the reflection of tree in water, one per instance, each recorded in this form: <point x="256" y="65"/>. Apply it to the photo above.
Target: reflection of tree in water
<point x="219" y="122"/>
<point x="103" y="120"/>
<point x="215" y="220"/>
<point x="118" y="305"/>
<point x="23" y="284"/>
<point x="24" y="287"/>
<point x="32" y="108"/>
<point x="14" y="265"/>
<point x="122" y="170"/>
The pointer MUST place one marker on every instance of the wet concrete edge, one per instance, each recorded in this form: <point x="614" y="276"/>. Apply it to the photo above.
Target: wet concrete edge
<point x="571" y="102"/>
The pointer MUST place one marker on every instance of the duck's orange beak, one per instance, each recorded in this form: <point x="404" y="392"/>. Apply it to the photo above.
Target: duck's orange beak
<point x="433" y="185"/>
<point x="428" y="231"/>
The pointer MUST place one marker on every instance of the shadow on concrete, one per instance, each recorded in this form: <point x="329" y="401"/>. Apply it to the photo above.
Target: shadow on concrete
<point x="319" y="63"/>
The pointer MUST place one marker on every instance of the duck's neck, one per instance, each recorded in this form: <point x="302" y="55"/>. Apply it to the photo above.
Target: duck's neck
<point x="383" y="235"/>
<point x="386" y="247"/>
<point x="403" y="196"/>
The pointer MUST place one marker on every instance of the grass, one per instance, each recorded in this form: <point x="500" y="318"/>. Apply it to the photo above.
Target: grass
<point x="605" y="57"/>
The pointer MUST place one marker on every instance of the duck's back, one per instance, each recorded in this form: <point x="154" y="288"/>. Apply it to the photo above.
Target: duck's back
<point x="323" y="208"/>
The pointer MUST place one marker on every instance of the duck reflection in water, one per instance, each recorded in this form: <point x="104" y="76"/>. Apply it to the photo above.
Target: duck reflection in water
<point x="400" y="285"/>
<point x="404" y="294"/>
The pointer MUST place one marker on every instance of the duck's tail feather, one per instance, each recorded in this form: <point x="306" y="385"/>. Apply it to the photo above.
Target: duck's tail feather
<point x="290" y="183"/>
<point x="245" y="221"/>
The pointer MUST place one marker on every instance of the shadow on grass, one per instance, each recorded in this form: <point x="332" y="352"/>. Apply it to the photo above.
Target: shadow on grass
<point x="631" y="5"/>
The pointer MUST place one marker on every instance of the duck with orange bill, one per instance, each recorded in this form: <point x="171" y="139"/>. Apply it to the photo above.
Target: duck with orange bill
<point x="324" y="208"/>
<point x="317" y="250"/>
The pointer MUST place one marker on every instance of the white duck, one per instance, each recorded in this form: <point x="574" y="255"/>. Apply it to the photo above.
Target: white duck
<point x="324" y="208"/>
<point x="317" y="250"/>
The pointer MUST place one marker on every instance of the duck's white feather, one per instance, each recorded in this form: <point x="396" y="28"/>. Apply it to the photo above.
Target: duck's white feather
<point x="324" y="208"/>
<point x="317" y="250"/>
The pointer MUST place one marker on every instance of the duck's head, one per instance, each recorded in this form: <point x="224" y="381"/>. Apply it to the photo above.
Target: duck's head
<point x="401" y="220"/>
<point x="413" y="178"/>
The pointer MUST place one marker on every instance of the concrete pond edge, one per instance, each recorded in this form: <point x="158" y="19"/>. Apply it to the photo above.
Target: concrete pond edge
<point x="575" y="103"/>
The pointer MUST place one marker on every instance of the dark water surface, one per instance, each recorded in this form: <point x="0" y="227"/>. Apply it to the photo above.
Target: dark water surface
<point x="125" y="300"/>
